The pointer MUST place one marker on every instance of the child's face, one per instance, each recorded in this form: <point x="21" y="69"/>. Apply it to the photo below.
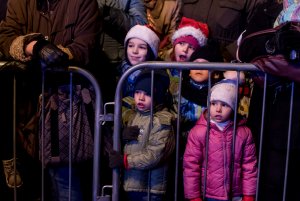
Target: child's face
<point x="142" y="100"/>
<point x="220" y="111"/>
<point x="136" y="51"/>
<point x="183" y="51"/>
<point x="199" y="75"/>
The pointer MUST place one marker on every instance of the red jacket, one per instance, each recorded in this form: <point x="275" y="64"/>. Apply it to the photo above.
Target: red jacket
<point x="219" y="160"/>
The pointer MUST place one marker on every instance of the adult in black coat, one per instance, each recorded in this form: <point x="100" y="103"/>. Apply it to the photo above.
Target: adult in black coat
<point x="276" y="121"/>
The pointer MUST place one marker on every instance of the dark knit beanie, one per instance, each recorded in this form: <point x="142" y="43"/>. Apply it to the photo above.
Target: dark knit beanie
<point x="211" y="52"/>
<point x="160" y="86"/>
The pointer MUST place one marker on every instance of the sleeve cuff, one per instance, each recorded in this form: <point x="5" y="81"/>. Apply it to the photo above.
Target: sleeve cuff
<point x="248" y="198"/>
<point x="196" y="199"/>
<point x="125" y="162"/>
<point x="17" y="48"/>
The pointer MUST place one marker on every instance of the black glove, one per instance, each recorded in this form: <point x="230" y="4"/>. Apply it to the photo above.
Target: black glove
<point x="50" y="56"/>
<point x="130" y="133"/>
<point x="116" y="159"/>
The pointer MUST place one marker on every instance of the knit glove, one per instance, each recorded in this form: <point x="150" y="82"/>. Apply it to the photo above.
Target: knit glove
<point x="50" y="56"/>
<point x="248" y="198"/>
<point x="116" y="159"/>
<point x="130" y="133"/>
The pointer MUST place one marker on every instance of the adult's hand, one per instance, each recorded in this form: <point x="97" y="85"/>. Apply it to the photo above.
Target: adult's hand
<point x="50" y="56"/>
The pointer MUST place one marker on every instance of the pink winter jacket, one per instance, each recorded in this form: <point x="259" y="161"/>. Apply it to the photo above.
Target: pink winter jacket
<point x="219" y="160"/>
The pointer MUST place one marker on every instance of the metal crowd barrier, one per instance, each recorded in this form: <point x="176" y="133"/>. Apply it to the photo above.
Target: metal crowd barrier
<point x="100" y="117"/>
<point x="3" y="68"/>
<point x="180" y="67"/>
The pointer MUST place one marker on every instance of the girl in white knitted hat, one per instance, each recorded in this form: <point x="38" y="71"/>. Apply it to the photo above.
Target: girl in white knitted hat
<point x="141" y="44"/>
<point x="222" y="184"/>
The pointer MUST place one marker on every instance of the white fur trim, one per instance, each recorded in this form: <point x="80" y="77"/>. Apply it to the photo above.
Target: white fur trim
<point x="146" y="34"/>
<point x="239" y="40"/>
<point x="190" y="31"/>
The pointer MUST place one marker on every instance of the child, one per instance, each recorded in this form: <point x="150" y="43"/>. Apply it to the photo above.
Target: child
<point x="195" y="85"/>
<point x="222" y="103"/>
<point x="189" y="37"/>
<point x="141" y="44"/>
<point x="148" y="144"/>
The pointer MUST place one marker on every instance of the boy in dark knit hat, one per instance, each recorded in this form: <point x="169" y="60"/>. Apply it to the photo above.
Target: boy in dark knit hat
<point x="149" y="141"/>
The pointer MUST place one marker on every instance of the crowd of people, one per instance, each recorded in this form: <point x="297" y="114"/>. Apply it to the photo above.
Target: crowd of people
<point x="109" y="37"/>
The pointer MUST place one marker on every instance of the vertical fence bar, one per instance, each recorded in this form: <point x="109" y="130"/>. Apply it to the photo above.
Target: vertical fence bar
<point x="97" y="129"/>
<point x="15" y="134"/>
<point x="43" y="136"/>
<point x="70" y="134"/>
<point x="261" y="134"/>
<point x="178" y="137"/>
<point x="288" y="142"/>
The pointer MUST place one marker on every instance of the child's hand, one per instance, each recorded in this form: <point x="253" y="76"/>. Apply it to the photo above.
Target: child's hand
<point x="131" y="133"/>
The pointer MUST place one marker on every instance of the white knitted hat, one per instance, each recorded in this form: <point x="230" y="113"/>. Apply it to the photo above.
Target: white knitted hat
<point x="146" y="34"/>
<point x="224" y="91"/>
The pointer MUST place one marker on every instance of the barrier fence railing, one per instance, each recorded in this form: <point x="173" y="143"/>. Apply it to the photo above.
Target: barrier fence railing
<point x="180" y="66"/>
<point x="100" y="117"/>
<point x="11" y="67"/>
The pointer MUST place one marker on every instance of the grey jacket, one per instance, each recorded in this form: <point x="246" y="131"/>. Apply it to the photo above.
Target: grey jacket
<point x="149" y="155"/>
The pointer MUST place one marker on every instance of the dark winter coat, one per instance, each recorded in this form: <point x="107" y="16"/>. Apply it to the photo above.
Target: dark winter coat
<point x="276" y="124"/>
<point x="72" y="24"/>
<point x="226" y="19"/>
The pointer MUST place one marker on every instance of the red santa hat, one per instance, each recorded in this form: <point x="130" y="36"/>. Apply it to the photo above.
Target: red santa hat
<point x="192" y="32"/>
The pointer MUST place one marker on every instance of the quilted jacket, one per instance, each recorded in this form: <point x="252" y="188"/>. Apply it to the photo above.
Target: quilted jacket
<point x="149" y="155"/>
<point x="219" y="161"/>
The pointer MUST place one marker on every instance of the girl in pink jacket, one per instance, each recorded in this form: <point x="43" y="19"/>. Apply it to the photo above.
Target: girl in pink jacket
<point x="243" y="187"/>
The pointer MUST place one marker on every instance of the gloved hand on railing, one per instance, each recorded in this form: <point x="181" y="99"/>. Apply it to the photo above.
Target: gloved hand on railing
<point x="130" y="133"/>
<point x="50" y="56"/>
